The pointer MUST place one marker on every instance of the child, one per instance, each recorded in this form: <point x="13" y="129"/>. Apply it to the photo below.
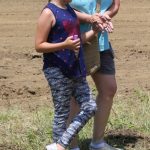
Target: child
<point x="64" y="68"/>
<point x="104" y="78"/>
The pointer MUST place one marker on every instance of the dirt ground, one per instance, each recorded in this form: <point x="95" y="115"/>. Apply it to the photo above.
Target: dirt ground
<point x="22" y="82"/>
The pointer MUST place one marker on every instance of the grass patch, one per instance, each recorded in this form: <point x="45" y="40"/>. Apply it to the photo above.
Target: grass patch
<point x="27" y="130"/>
<point x="32" y="130"/>
<point x="133" y="113"/>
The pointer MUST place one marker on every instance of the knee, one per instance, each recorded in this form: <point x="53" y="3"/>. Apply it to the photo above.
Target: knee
<point x="90" y="106"/>
<point x="93" y="106"/>
<point x="112" y="91"/>
<point x="109" y="92"/>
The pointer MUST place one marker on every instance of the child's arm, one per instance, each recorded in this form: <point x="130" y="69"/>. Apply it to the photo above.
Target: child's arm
<point x="113" y="10"/>
<point x="45" y="22"/>
<point x="86" y="18"/>
<point x="83" y="17"/>
<point x="87" y="36"/>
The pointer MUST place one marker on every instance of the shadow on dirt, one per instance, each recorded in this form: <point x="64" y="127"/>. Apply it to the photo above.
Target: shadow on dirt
<point x="121" y="139"/>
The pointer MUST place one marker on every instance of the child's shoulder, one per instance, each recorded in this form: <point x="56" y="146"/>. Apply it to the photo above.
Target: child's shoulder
<point x="46" y="13"/>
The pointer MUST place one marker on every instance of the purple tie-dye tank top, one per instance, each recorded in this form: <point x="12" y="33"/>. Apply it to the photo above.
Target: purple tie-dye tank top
<point x="66" y="25"/>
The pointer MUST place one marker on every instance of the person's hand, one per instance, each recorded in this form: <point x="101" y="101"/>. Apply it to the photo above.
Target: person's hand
<point x="106" y="17"/>
<point x="101" y="23"/>
<point x="72" y="44"/>
<point x="108" y="26"/>
<point x="97" y="22"/>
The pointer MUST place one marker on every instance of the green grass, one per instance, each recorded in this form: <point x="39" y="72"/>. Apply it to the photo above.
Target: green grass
<point x="28" y="130"/>
<point x="133" y="113"/>
<point x="32" y="130"/>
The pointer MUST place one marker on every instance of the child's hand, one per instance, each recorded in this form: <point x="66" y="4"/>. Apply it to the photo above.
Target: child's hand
<point x="101" y="23"/>
<point x="106" y="17"/>
<point x="97" y="22"/>
<point x="72" y="44"/>
<point x="108" y="26"/>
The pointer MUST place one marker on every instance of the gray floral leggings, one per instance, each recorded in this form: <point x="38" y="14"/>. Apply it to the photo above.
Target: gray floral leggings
<point x="63" y="89"/>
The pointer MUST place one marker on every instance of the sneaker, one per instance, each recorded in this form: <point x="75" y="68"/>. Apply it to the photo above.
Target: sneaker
<point x="105" y="146"/>
<point x="51" y="147"/>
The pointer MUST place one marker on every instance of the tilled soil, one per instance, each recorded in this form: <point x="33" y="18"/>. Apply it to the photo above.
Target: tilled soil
<point x="22" y="82"/>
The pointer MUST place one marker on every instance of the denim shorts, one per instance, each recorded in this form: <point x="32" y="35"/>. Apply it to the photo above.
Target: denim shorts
<point x="107" y="64"/>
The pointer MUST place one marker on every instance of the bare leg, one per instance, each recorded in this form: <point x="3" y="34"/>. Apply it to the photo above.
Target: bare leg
<point x="106" y="86"/>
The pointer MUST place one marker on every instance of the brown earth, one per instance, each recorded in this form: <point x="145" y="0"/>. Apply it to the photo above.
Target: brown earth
<point x="22" y="82"/>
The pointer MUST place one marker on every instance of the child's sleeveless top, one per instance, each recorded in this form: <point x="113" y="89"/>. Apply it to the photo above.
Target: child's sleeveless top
<point x="66" y="25"/>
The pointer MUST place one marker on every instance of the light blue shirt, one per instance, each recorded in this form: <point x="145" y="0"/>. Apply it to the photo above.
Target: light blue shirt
<point x="89" y="7"/>
<point x="85" y="6"/>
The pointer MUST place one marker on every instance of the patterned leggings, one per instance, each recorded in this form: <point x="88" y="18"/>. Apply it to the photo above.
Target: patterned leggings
<point x="63" y="89"/>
